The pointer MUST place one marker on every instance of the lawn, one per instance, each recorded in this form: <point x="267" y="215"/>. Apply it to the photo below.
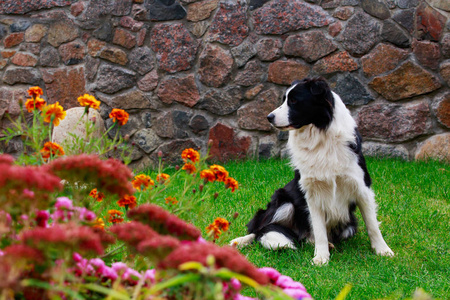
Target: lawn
<point x="414" y="211"/>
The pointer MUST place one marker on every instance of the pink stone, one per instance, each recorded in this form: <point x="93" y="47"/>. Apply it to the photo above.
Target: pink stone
<point x="24" y="60"/>
<point x="124" y="38"/>
<point x="215" y="66"/>
<point x="383" y="58"/>
<point x="183" y="90"/>
<point x="427" y="53"/>
<point x="13" y="39"/>
<point x="226" y="145"/>
<point x="285" y="72"/>
<point x="339" y="62"/>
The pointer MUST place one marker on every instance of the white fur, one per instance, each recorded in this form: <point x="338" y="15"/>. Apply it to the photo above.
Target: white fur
<point x="284" y="215"/>
<point x="331" y="177"/>
<point x="243" y="240"/>
<point x="275" y="240"/>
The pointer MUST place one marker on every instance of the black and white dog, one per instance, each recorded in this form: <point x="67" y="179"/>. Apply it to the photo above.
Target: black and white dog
<point x="331" y="177"/>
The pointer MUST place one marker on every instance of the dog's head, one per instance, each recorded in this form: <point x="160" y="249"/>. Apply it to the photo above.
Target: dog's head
<point x="308" y="101"/>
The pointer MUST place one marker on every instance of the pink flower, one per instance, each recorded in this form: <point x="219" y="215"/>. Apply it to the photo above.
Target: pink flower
<point x="149" y="275"/>
<point x="42" y="217"/>
<point x="6" y="159"/>
<point x="76" y="257"/>
<point x="109" y="273"/>
<point x="85" y="214"/>
<point x="133" y="233"/>
<point x="23" y="252"/>
<point x="28" y="194"/>
<point x="63" y="203"/>
<point x="271" y="273"/>
<point x="286" y="282"/>
<point x="297" y="294"/>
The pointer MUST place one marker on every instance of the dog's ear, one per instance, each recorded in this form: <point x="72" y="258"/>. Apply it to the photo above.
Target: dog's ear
<point x="318" y="86"/>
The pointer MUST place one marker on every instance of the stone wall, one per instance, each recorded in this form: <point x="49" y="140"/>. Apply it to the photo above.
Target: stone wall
<point x="193" y="71"/>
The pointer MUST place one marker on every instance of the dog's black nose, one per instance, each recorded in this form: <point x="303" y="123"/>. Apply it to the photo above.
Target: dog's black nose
<point x="271" y="117"/>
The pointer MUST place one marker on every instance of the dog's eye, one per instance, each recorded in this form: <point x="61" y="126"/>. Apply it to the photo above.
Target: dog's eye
<point x="292" y="100"/>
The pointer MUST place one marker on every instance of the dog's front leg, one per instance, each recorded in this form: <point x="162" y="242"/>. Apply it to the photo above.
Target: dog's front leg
<point x="321" y="251"/>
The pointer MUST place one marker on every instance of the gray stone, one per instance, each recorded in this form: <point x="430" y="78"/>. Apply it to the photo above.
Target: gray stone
<point x="352" y="91"/>
<point x="172" y="124"/>
<point x="407" y="3"/>
<point x="147" y="140"/>
<point x="164" y="10"/>
<point x="20" y="25"/>
<point x="104" y="32"/>
<point x="392" y="33"/>
<point x="91" y="71"/>
<point x="243" y="53"/>
<point x="252" y="74"/>
<point x="111" y="79"/>
<point x="199" y="124"/>
<point x="134" y="99"/>
<point x="311" y="45"/>
<point x="3" y="31"/>
<point x="361" y="34"/>
<point x="130" y="128"/>
<point x="222" y="102"/>
<point x="147" y="119"/>
<point x="22" y="75"/>
<point x="372" y="149"/>
<point x="122" y="7"/>
<point x="268" y="49"/>
<point x="171" y="151"/>
<point x="406" y="19"/>
<point x="254" y="4"/>
<point x="142" y="60"/>
<point x="49" y="57"/>
<point x="376" y="8"/>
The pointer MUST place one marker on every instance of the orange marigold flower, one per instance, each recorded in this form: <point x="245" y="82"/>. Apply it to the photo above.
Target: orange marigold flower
<point x="51" y="149"/>
<point x="89" y="100"/>
<point x="171" y="200"/>
<point x="162" y="178"/>
<point x="208" y="175"/>
<point x="35" y="103"/>
<point x="55" y="112"/>
<point x="99" y="223"/>
<point x="93" y="193"/>
<point x="120" y="116"/>
<point x="99" y="196"/>
<point x="115" y="216"/>
<point x="142" y="181"/>
<point x="127" y="201"/>
<point x="222" y="224"/>
<point x="35" y="91"/>
<point x="190" y="154"/>
<point x="231" y="183"/>
<point x="213" y="230"/>
<point x="220" y="172"/>
<point x="189" y="168"/>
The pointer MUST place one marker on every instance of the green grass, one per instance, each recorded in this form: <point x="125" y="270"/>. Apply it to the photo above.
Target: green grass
<point x="414" y="211"/>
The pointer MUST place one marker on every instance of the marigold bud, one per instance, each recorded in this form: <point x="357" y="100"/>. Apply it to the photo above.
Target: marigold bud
<point x="235" y="215"/>
<point x="177" y="167"/>
<point x="193" y="191"/>
<point x="20" y="101"/>
<point x="200" y="187"/>
<point x="93" y="119"/>
<point x="216" y="194"/>
<point x="210" y="143"/>
<point x="126" y="138"/>
<point x="160" y="154"/>
<point x="133" y="144"/>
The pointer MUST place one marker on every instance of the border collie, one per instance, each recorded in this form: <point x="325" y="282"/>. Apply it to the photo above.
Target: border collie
<point x="331" y="177"/>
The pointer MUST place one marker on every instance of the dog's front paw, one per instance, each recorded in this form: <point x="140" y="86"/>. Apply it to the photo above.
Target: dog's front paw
<point x="320" y="260"/>
<point x="386" y="251"/>
<point x="242" y="241"/>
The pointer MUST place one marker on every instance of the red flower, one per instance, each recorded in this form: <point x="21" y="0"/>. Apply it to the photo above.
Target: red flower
<point x="127" y="201"/>
<point x="35" y="103"/>
<point x="163" y="222"/>
<point x="6" y="159"/>
<point x="159" y="246"/>
<point x="107" y="175"/>
<point x="231" y="183"/>
<point x="219" y="226"/>
<point x="225" y="257"/>
<point x="208" y="175"/>
<point x="115" y="216"/>
<point x="51" y="150"/>
<point x="220" y="172"/>
<point x="23" y="252"/>
<point x="120" y="116"/>
<point x="133" y="233"/>
<point x="35" y="91"/>
<point x="189" y="168"/>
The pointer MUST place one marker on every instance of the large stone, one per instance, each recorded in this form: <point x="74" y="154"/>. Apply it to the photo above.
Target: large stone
<point x="361" y="34"/>
<point x="222" y="102"/>
<point x="442" y="110"/>
<point x="406" y="19"/>
<point x="22" y="7"/>
<point x="215" y="66"/>
<point x="226" y="144"/>
<point x="64" y="85"/>
<point x="24" y="59"/>
<point x="147" y="140"/>
<point x="199" y="124"/>
<point x="445" y="43"/>
<point x="95" y="47"/>
<point x="49" y="57"/>
<point x="171" y="151"/>
<point x="392" y="33"/>
<point x="9" y="102"/>
<point x="338" y="62"/>
<point x="394" y="123"/>
<point x="164" y="10"/>
<point x="407" y="3"/>
<point x="134" y="99"/>
<point x="201" y="10"/>
<point x="229" y="25"/>
<point x="243" y="52"/>
<point x="444" y="70"/>
<point x="35" y="33"/>
<point x="142" y="60"/>
<point x="105" y="32"/>
<point x="173" y="124"/>
<point x="427" y="53"/>
<point x="437" y="148"/>
<point x="352" y="91"/>
<point x="407" y="81"/>
<point x="114" y="54"/>
<point x="253" y="115"/>
<point x="124" y="38"/>
<point x="254" y="4"/>
<point x="175" y="49"/>
<point x="372" y="149"/>
<point x="252" y="74"/>
<point x="13" y="39"/>
<point x="22" y="75"/>
<point x="310" y="46"/>
<point x="149" y="82"/>
<point x="111" y="79"/>
<point x="268" y="49"/>
<point x="183" y="90"/>
<point x="20" y="25"/>
<point x="93" y="64"/>
<point x="74" y="124"/>
<point x="430" y="23"/>
<point x="278" y="17"/>
<point x="285" y="72"/>
<point x="95" y="12"/>
<point x="72" y="53"/>
<point x="122" y="7"/>
<point x="61" y="32"/>
<point x="383" y="58"/>
<point x="376" y="8"/>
